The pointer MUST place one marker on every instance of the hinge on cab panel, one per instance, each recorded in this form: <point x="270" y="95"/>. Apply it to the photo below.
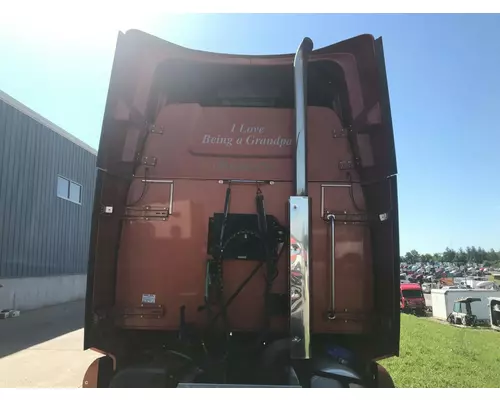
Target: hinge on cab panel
<point x="348" y="133"/>
<point x="153" y="129"/>
<point x="345" y="132"/>
<point x="349" y="164"/>
<point x="149" y="161"/>
<point x="340" y="134"/>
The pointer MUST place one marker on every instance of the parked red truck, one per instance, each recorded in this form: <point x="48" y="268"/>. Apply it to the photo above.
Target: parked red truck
<point x="412" y="298"/>
<point x="245" y="229"/>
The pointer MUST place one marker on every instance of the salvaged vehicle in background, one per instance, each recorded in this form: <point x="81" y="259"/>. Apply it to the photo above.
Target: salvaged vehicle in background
<point x="412" y="298"/>
<point x="462" y="312"/>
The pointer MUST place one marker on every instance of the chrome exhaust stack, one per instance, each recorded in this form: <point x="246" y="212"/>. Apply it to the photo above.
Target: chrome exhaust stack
<point x="300" y="216"/>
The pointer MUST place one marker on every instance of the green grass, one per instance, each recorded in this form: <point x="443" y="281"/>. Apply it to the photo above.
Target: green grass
<point x="435" y="355"/>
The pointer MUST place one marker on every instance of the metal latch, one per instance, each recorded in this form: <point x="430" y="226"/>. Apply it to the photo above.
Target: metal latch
<point x="345" y="218"/>
<point x="147" y="213"/>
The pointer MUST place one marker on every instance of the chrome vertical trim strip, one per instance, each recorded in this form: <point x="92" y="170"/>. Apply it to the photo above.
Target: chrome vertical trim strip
<point x="299" y="278"/>
<point x="331" y="219"/>
<point x="300" y="82"/>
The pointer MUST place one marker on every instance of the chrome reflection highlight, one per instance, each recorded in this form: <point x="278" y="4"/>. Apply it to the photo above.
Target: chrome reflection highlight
<point x="299" y="278"/>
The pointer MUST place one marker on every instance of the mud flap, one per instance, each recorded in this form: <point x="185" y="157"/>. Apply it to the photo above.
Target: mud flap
<point x="99" y="373"/>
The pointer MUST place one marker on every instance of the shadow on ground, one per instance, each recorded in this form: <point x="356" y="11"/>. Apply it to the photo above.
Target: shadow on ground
<point x="38" y="326"/>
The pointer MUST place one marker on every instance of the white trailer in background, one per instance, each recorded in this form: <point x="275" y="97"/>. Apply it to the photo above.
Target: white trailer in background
<point x="443" y="300"/>
<point x="470" y="282"/>
<point x="494" y="310"/>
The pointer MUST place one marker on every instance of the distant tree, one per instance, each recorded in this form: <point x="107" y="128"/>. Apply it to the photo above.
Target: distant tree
<point x="449" y="255"/>
<point x="471" y="254"/>
<point x="412" y="257"/>
<point x="492" y="256"/>
<point x="468" y="251"/>
<point x="461" y="256"/>
<point x="481" y="255"/>
<point x="426" y="258"/>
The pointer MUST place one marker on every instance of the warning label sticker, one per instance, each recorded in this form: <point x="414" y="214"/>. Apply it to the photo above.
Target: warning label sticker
<point x="149" y="298"/>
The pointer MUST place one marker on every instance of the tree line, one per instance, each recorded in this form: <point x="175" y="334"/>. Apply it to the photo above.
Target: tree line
<point x="471" y="254"/>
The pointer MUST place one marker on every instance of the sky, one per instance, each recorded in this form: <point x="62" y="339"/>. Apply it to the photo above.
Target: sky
<point x="443" y="75"/>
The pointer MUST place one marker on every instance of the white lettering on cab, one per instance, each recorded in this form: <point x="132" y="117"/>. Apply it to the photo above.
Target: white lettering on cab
<point x="252" y="136"/>
<point x="248" y="129"/>
<point x="208" y="139"/>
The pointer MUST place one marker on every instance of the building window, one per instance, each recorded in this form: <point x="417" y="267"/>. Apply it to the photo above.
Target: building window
<point x="69" y="190"/>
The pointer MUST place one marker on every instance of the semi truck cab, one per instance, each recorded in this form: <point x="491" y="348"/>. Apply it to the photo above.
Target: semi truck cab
<point x="245" y="225"/>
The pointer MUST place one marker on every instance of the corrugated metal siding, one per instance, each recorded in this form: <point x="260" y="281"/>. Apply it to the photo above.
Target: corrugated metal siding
<point x="40" y="233"/>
